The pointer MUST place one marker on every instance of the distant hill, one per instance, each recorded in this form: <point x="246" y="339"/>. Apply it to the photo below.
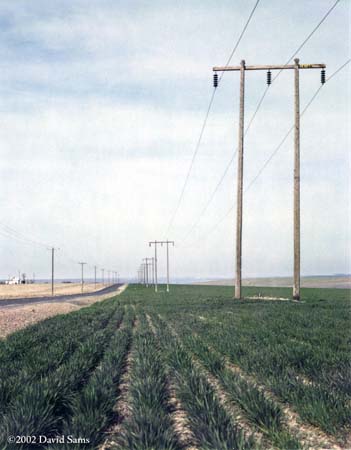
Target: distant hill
<point x="315" y="281"/>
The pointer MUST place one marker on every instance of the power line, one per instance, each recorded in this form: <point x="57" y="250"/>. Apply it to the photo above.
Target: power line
<point x="192" y="161"/>
<point x="205" y="122"/>
<point x="19" y="236"/>
<point x="303" y="43"/>
<point x="240" y="37"/>
<point x="292" y="127"/>
<point x="219" y="222"/>
<point x="203" y="211"/>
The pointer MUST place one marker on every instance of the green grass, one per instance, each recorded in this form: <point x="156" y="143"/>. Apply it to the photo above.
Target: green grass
<point x="150" y="425"/>
<point x="62" y="375"/>
<point x="300" y="351"/>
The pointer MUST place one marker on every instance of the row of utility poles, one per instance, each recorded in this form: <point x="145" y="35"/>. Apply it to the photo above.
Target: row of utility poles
<point x="144" y="269"/>
<point x="112" y="275"/>
<point x="296" y="173"/>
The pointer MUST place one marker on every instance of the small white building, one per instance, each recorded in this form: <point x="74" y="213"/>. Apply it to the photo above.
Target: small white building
<point x="13" y="280"/>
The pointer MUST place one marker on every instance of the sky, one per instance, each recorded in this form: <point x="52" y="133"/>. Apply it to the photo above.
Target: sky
<point x="101" y="108"/>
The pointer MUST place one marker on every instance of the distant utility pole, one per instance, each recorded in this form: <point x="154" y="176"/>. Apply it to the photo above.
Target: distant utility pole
<point x="53" y="269"/>
<point x="167" y="244"/>
<point x="95" y="276"/>
<point x="109" y="277"/>
<point x="142" y="273"/>
<point x="153" y="270"/>
<point x="147" y="264"/>
<point x="155" y="243"/>
<point x="243" y="68"/>
<point x="103" y="276"/>
<point x="82" y="264"/>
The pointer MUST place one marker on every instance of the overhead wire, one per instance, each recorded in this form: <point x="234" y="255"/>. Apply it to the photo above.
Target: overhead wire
<point x="199" y="140"/>
<point x="15" y="234"/>
<point x="219" y="222"/>
<point x="259" y="104"/>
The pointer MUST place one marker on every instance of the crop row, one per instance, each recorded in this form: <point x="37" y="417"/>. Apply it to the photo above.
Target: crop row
<point x="41" y="407"/>
<point x="36" y="351"/>
<point x="262" y="412"/>
<point x="93" y="407"/>
<point x="298" y="351"/>
<point x="315" y="402"/>
<point x="209" y="421"/>
<point x="150" y="425"/>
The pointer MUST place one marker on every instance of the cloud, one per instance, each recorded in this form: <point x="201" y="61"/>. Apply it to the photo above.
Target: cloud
<point x="101" y="107"/>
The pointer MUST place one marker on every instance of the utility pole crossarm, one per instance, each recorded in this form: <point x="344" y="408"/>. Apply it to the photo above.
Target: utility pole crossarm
<point x="155" y="243"/>
<point x="296" y="179"/>
<point x="82" y="281"/>
<point x="268" y="67"/>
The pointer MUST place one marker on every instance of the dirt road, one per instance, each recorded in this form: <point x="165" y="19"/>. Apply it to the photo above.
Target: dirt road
<point x="19" y="315"/>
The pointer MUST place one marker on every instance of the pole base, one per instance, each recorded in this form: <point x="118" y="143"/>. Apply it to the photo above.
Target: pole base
<point x="237" y="293"/>
<point x="296" y="297"/>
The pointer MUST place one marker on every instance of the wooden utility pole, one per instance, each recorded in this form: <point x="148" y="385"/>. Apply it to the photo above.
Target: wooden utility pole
<point x="153" y="270"/>
<point x="82" y="282"/>
<point x="103" y="276"/>
<point x="296" y="288"/>
<point x="167" y="243"/>
<point x="52" y="249"/>
<point x="147" y="264"/>
<point x="95" y="276"/>
<point x="240" y="179"/>
<point x="243" y="68"/>
<point x="52" y="270"/>
<point x="156" y="243"/>
<point x="155" y="261"/>
<point x="143" y="273"/>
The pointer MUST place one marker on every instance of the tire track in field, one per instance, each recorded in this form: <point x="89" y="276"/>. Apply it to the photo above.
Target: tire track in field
<point x="179" y="416"/>
<point x="122" y="409"/>
<point x="309" y="435"/>
<point x="231" y="408"/>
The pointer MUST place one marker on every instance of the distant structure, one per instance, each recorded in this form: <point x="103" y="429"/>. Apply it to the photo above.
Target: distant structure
<point x="18" y="280"/>
<point x="13" y="280"/>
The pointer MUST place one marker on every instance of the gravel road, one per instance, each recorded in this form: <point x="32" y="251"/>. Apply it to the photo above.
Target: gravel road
<point x="58" y="298"/>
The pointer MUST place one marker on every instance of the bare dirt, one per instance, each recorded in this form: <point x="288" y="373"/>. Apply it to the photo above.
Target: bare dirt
<point x="333" y="282"/>
<point x="17" y="317"/>
<point x="179" y="417"/>
<point x="44" y="289"/>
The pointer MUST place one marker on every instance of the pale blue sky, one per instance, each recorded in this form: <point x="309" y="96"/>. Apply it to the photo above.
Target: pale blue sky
<point x="101" y="105"/>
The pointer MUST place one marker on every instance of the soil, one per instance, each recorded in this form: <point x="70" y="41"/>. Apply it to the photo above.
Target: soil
<point x="44" y="289"/>
<point x="13" y="318"/>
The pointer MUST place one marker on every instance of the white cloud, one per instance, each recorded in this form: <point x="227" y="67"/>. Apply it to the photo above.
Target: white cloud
<point x="101" y="107"/>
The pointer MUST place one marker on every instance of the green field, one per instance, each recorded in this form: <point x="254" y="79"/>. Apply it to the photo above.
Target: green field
<point x="189" y="369"/>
